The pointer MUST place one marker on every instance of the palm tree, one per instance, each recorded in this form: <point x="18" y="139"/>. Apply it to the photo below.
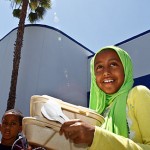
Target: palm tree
<point x="36" y="9"/>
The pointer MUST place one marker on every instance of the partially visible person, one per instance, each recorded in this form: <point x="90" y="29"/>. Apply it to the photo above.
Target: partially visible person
<point x="11" y="127"/>
<point x="126" y="108"/>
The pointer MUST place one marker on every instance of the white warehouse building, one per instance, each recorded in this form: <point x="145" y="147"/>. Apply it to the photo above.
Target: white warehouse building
<point x="52" y="63"/>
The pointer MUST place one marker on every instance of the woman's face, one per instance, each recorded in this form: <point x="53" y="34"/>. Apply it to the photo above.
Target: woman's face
<point x="109" y="71"/>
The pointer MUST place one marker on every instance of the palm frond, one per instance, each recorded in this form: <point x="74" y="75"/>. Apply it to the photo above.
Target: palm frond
<point x="33" y="4"/>
<point x="18" y="1"/>
<point x="16" y="13"/>
<point x="33" y="17"/>
<point x="40" y="12"/>
<point x="45" y="3"/>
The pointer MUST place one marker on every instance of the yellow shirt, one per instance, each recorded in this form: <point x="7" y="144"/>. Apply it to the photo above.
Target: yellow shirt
<point x="138" y="118"/>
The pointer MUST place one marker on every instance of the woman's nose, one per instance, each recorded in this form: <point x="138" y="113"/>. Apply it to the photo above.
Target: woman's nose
<point x="106" y="72"/>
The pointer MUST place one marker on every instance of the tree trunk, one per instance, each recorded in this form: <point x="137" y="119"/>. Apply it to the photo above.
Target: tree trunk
<point x="17" y="56"/>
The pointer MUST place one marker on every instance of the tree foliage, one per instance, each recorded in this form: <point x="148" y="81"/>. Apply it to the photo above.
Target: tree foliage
<point x="36" y="9"/>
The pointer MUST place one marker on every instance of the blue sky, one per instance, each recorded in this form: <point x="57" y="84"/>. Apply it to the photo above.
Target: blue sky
<point x="93" y="23"/>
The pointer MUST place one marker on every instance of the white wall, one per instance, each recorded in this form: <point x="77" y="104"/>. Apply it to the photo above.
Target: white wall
<point x="52" y="63"/>
<point x="139" y="49"/>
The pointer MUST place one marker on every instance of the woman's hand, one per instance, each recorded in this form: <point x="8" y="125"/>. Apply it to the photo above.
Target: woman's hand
<point x="78" y="131"/>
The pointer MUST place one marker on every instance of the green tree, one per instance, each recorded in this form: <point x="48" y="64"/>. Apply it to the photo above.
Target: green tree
<point x="34" y="10"/>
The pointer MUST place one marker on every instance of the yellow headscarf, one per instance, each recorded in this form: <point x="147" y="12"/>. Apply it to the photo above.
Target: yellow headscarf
<point x="116" y="119"/>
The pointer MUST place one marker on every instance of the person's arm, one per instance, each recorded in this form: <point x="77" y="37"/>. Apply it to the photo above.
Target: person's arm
<point x="140" y="101"/>
<point x="105" y="140"/>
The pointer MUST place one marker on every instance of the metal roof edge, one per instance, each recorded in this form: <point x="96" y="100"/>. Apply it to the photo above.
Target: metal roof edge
<point x="50" y="27"/>
<point x="132" y="38"/>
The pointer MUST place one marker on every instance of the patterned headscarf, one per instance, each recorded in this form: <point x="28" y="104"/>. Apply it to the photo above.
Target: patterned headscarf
<point x="116" y="119"/>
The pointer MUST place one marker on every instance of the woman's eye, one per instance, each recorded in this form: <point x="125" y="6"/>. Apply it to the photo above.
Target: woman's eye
<point x="99" y="68"/>
<point x="113" y="64"/>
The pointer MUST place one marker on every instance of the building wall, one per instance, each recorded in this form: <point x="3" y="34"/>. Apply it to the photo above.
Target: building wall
<point x="139" y="49"/>
<point x="52" y="63"/>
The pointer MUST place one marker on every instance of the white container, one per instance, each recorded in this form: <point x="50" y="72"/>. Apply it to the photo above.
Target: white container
<point x="43" y="132"/>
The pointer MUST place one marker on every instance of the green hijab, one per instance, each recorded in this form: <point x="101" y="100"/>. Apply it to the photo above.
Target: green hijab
<point x="116" y="119"/>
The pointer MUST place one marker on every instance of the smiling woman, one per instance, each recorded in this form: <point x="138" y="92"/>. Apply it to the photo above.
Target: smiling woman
<point x="126" y="109"/>
<point x="109" y="71"/>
